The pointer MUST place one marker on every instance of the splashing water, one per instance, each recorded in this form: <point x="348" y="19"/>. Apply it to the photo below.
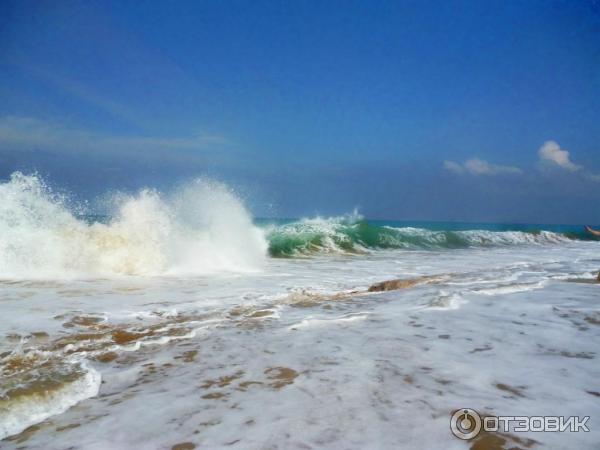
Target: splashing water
<point x="202" y="227"/>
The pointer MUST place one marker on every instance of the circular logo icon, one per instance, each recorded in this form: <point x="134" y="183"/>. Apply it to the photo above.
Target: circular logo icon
<point x="465" y="423"/>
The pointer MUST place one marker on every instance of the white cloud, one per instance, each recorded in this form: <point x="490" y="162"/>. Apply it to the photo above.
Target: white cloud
<point x="551" y="154"/>
<point x="453" y="167"/>
<point x="476" y="166"/>
<point x="593" y="177"/>
<point x="28" y="133"/>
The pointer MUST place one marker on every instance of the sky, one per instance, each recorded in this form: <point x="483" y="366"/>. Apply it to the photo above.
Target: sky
<point x="415" y="110"/>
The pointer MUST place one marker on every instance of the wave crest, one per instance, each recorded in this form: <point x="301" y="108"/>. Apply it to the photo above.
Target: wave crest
<point x="202" y="227"/>
<point x="353" y="234"/>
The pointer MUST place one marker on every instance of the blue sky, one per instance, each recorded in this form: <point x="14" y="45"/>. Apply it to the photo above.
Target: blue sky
<point x="460" y="110"/>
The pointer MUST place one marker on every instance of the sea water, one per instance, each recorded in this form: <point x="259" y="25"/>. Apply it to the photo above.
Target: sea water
<point x="178" y="321"/>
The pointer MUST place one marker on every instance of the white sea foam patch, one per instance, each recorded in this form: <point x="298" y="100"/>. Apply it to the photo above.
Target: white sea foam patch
<point x="446" y="301"/>
<point x="25" y="406"/>
<point x="311" y="322"/>
<point x="422" y="237"/>
<point x="202" y="227"/>
<point x="511" y="288"/>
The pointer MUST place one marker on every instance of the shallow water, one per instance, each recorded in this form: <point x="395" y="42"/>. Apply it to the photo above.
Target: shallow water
<point x="291" y="356"/>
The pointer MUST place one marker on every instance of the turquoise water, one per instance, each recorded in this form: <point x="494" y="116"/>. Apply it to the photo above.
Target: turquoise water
<point x="575" y="230"/>
<point x="290" y="237"/>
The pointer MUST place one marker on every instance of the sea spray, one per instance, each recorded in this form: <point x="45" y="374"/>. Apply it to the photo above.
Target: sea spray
<point x="214" y="230"/>
<point x="199" y="228"/>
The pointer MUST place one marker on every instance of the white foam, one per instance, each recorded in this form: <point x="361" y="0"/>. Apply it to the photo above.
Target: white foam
<point x="203" y="227"/>
<point x="511" y="288"/>
<point x="37" y="408"/>
<point x="376" y="371"/>
<point x="446" y="301"/>
<point x="310" y="322"/>
<point x="482" y="238"/>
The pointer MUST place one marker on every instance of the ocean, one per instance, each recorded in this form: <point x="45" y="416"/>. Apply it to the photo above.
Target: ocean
<point x="178" y="321"/>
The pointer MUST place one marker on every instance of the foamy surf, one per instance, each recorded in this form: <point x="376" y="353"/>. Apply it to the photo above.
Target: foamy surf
<point x="343" y="331"/>
<point x="52" y="391"/>
<point x="188" y="361"/>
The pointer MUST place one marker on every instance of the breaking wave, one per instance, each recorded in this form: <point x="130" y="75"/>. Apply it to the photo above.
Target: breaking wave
<point x="353" y="234"/>
<point x="202" y="227"/>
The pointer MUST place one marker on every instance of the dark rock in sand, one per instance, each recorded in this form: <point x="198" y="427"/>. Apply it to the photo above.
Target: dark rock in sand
<point x="393" y="285"/>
